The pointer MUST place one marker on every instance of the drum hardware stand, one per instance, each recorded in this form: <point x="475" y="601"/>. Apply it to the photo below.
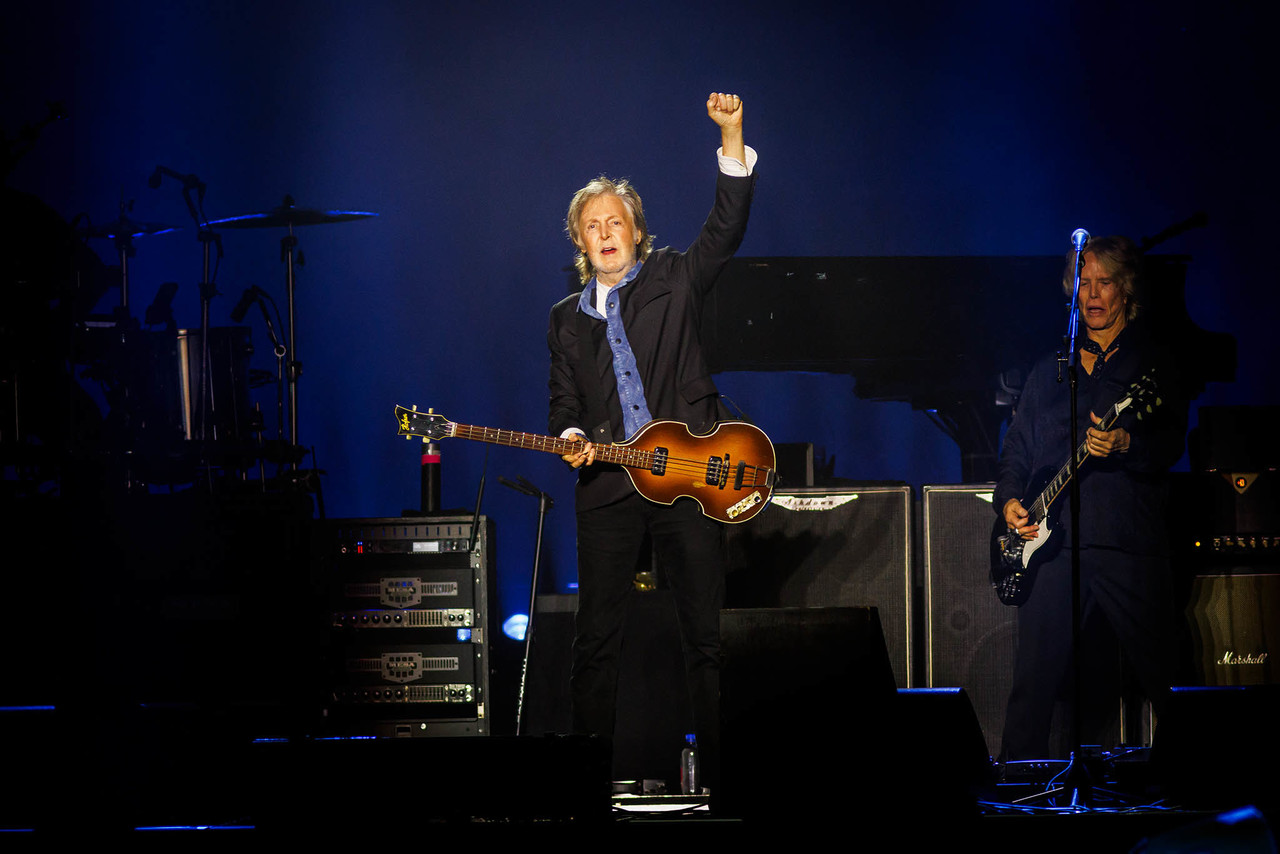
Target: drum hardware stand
<point x="544" y="506"/>
<point x="208" y="290"/>
<point x="256" y="295"/>
<point x="279" y="351"/>
<point x="288" y="244"/>
<point x="262" y="465"/>
<point x="125" y="247"/>
<point x="288" y="215"/>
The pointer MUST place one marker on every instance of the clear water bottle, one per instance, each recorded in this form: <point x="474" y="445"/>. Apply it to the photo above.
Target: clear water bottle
<point x="689" y="783"/>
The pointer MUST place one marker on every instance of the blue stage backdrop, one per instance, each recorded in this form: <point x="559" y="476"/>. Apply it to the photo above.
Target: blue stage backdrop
<point x="983" y="128"/>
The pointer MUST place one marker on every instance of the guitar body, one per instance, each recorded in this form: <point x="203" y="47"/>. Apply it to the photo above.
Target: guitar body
<point x="731" y="471"/>
<point x="713" y="481"/>
<point x="1014" y="561"/>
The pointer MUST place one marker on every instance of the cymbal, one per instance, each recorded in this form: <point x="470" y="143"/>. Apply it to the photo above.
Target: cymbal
<point x="287" y="216"/>
<point x="125" y="227"/>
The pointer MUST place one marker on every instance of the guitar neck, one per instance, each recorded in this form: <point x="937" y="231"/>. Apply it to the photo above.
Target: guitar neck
<point x="622" y="455"/>
<point x="1040" y="507"/>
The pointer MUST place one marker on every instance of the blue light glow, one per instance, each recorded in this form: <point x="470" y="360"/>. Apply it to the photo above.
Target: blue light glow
<point x="515" y="626"/>
<point x="198" y="827"/>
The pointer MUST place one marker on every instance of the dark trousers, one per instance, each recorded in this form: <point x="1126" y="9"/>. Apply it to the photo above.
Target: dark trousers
<point x="689" y="547"/>
<point x="1127" y="595"/>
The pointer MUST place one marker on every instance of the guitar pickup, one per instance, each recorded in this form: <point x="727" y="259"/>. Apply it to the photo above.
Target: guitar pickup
<point x="659" y="461"/>
<point x="718" y="471"/>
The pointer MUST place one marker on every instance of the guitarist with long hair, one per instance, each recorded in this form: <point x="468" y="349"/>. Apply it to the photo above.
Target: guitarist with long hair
<point x="1126" y="589"/>
<point x="626" y="351"/>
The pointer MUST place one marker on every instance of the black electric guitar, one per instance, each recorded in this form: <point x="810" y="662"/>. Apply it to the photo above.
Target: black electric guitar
<point x="1014" y="560"/>
<point x="730" y="471"/>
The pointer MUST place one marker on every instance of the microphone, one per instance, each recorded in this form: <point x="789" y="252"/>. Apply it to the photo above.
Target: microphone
<point x="242" y="308"/>
<point x="1079" y="238"/>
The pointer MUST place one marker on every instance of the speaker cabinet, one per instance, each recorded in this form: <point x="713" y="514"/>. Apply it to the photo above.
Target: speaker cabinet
<point x="972" y="638"/>
<point x="1218" y="748"/>
<point x="825" y="547"/>
<point x="653" y="712"/>
<point x="806" y="708"/>
<point x="546" y="695"/>
<point x="1234" y="617"/>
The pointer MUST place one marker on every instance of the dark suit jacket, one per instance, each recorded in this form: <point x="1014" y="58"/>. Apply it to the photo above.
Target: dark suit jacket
<point x="662" y="310"/>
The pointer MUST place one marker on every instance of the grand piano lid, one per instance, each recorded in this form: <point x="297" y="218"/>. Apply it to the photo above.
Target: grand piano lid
<point x="931" y="330"/>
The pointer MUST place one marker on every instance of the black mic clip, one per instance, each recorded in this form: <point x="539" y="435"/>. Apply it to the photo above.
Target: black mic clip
<point x="248" y="298"/>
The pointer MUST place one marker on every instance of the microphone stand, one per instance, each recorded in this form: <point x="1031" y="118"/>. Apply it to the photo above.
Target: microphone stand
<point x="208" y="290"/>
<point x="288" y="244"/>
<point x="279" y="350"/>
<point x="544" y="506"/>
<point x="1078" y="780"/>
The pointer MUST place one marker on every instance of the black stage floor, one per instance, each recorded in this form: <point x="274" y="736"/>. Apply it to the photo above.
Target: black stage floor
<point x="173" y="781"/>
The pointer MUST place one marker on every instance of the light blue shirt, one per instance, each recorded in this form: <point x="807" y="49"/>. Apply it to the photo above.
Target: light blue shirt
<point x="635" y="410"/>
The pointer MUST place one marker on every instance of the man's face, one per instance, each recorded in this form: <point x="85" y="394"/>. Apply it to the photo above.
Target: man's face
<point x="1102" y="304"/>
<point x="609" y="237"/>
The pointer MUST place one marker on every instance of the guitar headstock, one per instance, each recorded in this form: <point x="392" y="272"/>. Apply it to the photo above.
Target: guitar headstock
<point x="1143" y="396"/>
<point x="428" y="425"/>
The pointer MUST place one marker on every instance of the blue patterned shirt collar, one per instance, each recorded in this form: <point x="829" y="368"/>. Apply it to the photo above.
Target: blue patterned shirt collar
<point x="587" y="302"/>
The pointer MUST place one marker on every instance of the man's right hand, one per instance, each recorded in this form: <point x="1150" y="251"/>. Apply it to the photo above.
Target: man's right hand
<point x="1017" y="518"/>
<point x="726" y="111"/>
<point x="583" y="457"/>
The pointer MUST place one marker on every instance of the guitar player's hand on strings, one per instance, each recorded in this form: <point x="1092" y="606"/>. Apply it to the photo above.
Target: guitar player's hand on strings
<point x="1102" y="444"/>
<point x="1018" y="519"/>
<point x="584" y="457"/>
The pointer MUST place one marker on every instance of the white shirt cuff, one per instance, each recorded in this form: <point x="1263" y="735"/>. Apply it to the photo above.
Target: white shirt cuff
<point x="735" y="167"/>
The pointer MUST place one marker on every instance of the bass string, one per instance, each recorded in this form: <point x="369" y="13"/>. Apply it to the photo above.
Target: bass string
<point x="622" y="455"/>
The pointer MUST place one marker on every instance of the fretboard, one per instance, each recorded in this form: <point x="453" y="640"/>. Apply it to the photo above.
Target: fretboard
<point x="1040" y="507"/>
<point x="622" y="455"/>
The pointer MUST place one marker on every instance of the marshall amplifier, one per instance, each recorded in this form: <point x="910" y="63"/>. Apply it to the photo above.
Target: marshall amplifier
<point x="1234" y="617"/>
<point x="409" y="616"/>
<point x="1225" y="537"/>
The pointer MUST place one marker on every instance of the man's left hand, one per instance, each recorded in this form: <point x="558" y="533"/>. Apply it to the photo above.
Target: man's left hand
<point x="1102" y="444"/>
